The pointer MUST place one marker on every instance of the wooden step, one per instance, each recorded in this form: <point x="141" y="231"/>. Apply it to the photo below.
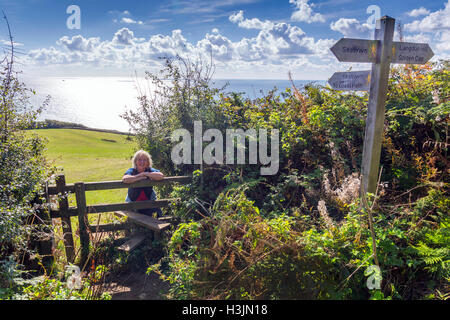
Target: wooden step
<point x="145" y="221"/>
<point x="166" y="218"/>
<point x="132" y="243"/>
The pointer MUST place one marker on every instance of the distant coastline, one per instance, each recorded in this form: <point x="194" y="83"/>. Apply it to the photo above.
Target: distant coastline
<point x="55" y="124"/>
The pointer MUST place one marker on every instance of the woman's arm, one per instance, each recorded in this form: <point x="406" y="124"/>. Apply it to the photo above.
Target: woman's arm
<point x="142" y="176"/>
<point x="155" y="176"/>
<point x="132" y="179"/>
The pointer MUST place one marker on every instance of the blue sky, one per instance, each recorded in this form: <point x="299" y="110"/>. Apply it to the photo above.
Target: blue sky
<point x="261" y="39"/>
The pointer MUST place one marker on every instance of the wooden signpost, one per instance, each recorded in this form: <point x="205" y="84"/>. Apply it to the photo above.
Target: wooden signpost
<point x="381" y="52"/>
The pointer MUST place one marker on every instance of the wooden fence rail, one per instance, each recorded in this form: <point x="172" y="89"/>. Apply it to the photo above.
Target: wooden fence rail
<point x="64" y="212"/>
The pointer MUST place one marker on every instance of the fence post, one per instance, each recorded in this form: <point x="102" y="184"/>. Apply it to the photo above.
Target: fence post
<point x="80" y="193"/>
<point x="44" y="246"/>
<point x="66" y="224"/>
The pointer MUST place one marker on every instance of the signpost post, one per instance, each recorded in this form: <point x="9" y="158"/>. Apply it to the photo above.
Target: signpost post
<point x="376" y="107"/>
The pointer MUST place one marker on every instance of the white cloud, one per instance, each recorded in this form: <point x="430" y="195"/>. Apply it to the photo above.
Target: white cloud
<point x="124" y="17"/>
<point x="277" y="47"/>
<point x="124" y="50"/>
<point x="435" y="21"/>
<point x="200" y="7"/>
<point x="351" y="28"/>
<point x="169" y="46"/>
<point x="47" y="56"/>
<point x="124" y="37"/>
<point x="78" y="43"/>
<point x="434" y="29"/>
<point x="254" y="23"/>
<point x="130" y="21"/>
<point x="237" y="17"/>
<point x="304" y="12"/>
<point x="418" y="12"/>
<point x="275" y="41"/>
<point x="8" y="43"/>
<point x="221" y="47"/>
<point x="419" y="38"/>
<point x="443" y="46"/>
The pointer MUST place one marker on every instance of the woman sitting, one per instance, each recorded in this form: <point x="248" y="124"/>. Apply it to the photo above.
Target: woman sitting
<point x="141" y="170"/>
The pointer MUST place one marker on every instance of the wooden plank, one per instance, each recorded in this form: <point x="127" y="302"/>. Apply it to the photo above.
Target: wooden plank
<point x="106" y="185"/>
<point x="411" y="53"/>
<point x="350" y="81"/>
<point x="118" y="184"/>
<point x="356" y="50"/>
<point x="376" y="109"/>
<point x="52" y="189"/>
<point x="65" y="220"/>
<point x="73" y="211"/>
<point x="136" y="240"/>
<point x="145" y="221"/>
<point x="136" y="205"/>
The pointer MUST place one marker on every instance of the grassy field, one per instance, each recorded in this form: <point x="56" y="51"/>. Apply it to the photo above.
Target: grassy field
<point x="88" y="156"/>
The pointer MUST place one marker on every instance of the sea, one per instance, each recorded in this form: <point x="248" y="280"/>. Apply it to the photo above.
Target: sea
<point x="98" y="102"/>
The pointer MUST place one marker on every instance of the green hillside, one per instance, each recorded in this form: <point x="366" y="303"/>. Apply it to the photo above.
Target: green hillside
<point x="84" y="155"/>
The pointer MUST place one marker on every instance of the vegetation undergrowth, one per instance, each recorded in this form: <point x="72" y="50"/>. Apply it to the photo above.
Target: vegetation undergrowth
<point x="302" y="233"/>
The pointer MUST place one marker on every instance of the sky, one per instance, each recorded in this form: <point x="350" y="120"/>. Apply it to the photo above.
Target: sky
<point x="247" y="39"/>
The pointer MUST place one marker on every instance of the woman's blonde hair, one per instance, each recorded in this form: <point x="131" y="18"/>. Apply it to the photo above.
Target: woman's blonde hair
<point x="144" y="153"/>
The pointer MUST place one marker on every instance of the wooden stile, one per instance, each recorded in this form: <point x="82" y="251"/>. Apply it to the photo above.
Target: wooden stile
<point x="82" y="210"/>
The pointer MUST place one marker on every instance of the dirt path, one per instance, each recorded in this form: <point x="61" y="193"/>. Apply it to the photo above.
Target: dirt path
<point x="137" y="286"/>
